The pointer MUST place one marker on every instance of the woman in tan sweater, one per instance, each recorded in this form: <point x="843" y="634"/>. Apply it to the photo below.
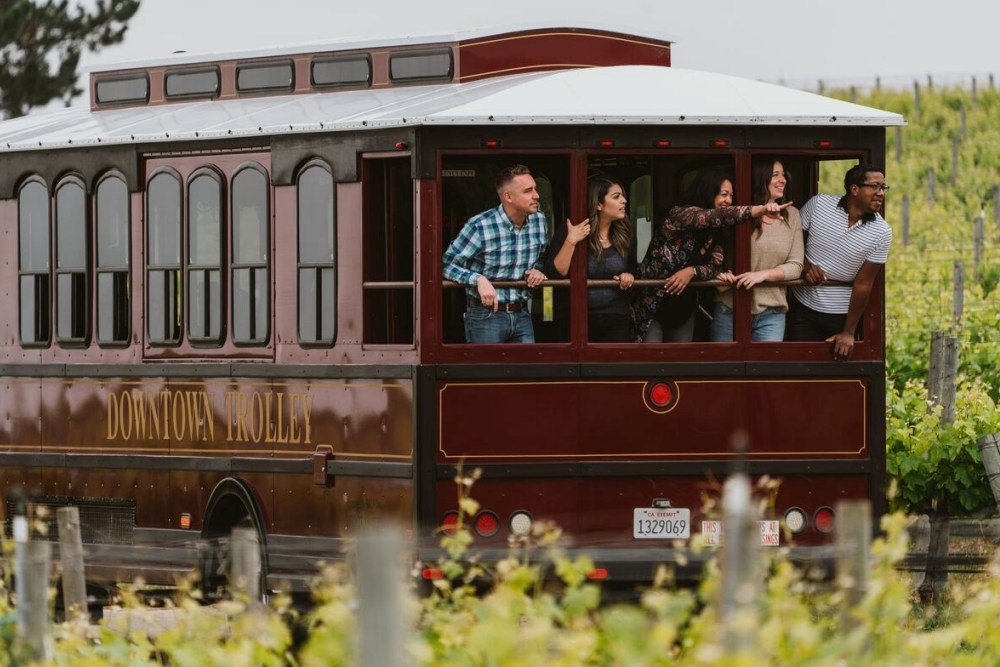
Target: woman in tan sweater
<point x="776" y="254"/>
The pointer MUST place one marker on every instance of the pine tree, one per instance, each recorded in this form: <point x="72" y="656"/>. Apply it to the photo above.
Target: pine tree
<point x="40" y="46"/>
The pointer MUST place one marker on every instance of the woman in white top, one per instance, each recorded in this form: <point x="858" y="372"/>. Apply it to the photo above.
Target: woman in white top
<point x="776" y="254"/>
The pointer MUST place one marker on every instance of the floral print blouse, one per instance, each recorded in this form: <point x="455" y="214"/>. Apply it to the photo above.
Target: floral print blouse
<point x="685" y="239"/>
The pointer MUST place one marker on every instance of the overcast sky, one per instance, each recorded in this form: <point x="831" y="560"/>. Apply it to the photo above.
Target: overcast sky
<point x="797" y="41"/>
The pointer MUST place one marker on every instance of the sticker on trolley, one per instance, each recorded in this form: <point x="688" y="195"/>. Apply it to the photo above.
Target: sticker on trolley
<point x="770" y="533"/>
<point x="661" y="523"/>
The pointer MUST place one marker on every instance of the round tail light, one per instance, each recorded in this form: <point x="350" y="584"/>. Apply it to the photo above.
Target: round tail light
<point x="520" y="523"/>
<point x="824" y="519"/>
<point x="486" y="523"/>
<point x="450" y="522"/>
<point x="660" y="396"/>
<point x="795" y="520"/>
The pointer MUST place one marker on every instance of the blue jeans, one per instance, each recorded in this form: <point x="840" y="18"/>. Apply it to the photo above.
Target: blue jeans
<point x="482" y="325"/>
<point x="767" y="325"/>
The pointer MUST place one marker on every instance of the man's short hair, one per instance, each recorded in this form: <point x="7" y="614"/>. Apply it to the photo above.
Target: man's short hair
<point x="856" y="175"/>
<point x="508" y="174"/>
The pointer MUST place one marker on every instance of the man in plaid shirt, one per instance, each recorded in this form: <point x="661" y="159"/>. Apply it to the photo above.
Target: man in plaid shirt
<point x="504" y="243"/>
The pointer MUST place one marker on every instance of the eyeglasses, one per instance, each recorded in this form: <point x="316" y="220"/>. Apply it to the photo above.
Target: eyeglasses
<point x="877" y="187"/>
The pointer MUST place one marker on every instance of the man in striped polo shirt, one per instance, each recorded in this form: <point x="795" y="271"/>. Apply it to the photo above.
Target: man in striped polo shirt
<point x="847" y="240"/>
<point x="504" y="243"/>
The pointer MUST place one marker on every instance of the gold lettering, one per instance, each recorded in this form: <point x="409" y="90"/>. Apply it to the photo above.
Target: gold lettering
<point x="293" y="420"/>
<point x="241" y="426"/>
<point x="306" y="416"/>
<point x="281" y="437"/>
<point x="192" y="407"/>
<point x="229" y="415"/>
<point x="257" y="407"/>
<point x="179" y="416"/>
<point x="125" y="425"/>
<point x="112" y="416"/>
<point x="268" y="422"/>
<point x="209" y="417"/>
<point x="138" y="412"/>
<point x="164" y="397"/>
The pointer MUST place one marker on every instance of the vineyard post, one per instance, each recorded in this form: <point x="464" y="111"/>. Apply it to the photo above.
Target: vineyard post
<point x="991" y="82"/>
<point x="975" y="96"/>
<point x="381" y="626"/>
<point x="853" y="550"/>
<point x="916" y="97"/>
<point x="989" y="448"/>
<point x="878" y="84"/>
<point x="905" y="212"/>
<point x="930" y="83"/>
<point x="996" y="207"/>
<point x="33" y="596"/>
<point x="74" y="584"/>
<point x="854" y="95"/>
<point x="245" y="563"/>
<point x="931" y="182"/>
<point x="961" y="122"/>
<point x="958" y="295"/>
<point x="977" y="240"/>
<point x="821" y="87"/>
<point x="954" y="160"/>
<point x="898" y="144"/>
<point x="935" y="368"/>
<point x="949" y="380"/>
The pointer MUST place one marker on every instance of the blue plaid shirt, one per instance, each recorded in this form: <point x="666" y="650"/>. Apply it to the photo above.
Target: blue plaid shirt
<point x="490" y="245"/>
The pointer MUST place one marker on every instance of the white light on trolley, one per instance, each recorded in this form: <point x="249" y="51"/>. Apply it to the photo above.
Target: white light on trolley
<point x="520" y="523"/>
<point x="795" y="519"/>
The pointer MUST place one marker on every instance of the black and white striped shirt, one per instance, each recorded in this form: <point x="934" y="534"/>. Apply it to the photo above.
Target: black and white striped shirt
<point x="839" y="251"/>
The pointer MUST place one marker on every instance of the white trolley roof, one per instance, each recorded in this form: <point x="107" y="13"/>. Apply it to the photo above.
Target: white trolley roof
<point x="645" y="95"/>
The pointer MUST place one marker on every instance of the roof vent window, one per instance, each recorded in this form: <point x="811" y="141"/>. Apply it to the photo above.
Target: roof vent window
<point x="270" y="76"/>
<point x="330" y="72"/>
<point x="192" y="83"/>
<point x="420" y="66"/>
<point x="122" y="89"/>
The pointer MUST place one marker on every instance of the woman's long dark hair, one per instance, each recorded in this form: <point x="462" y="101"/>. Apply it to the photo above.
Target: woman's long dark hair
<point x="705" y="186"/>
<point x="761" y="179"/>
<point x="620" y="233"/>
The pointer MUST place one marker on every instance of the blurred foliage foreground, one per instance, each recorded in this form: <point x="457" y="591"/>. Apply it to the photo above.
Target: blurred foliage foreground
<point x="791" y="619"/>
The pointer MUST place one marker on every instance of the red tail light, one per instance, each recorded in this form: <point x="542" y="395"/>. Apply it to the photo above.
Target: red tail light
<point x="823" y="520"/>
<point x="486" y="523"/>
<point x="431" y="573"/>
<point x="606" y="143"/>
<point x="491" y="143"/>
<point x="598" y="574"/>
<point x="450" y="522"/>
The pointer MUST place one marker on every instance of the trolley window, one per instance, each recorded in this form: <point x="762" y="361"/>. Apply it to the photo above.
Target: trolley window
<point x="317" y="265"/>
<point x="333" y="72"/>
<point x="113" y="261"/>
<point x="271" y="76"/>
<point x="33" y="254"/>
<point x="122" y="89"/>
<point x="72" y="293"/>
<point x="163" y="234"/>
<point x="204" y="265"/>
<point x="250" y="271"/>
<point x="420" y="66"/>
<point x="192" y="83"/>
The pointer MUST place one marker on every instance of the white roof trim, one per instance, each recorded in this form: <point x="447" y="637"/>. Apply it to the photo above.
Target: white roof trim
<point x="645" y="95"/>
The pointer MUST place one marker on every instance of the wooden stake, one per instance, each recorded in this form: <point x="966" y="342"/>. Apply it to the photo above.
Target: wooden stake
<point x="245" y="563"/>
<point x="853" y="525"/>
<point x="74" y="585"/>
<point x="381" y="626"/>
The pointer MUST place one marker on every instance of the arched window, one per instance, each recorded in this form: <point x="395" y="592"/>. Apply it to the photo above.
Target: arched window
<point x="33" y="260"/>
<point x="204" y="257"/>
<point x="163" y="276"/>
<point x="317" y="256"/>
<point x="113" y="261"/>
<point x="72" y="264"/>
<point x="250" y="250"/>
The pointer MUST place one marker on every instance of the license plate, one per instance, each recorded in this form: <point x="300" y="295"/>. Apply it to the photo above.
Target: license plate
<point x="661" y="523"/>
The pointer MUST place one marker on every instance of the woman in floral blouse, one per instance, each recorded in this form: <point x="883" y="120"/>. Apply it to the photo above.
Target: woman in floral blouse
<point x="685" y="248"/>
